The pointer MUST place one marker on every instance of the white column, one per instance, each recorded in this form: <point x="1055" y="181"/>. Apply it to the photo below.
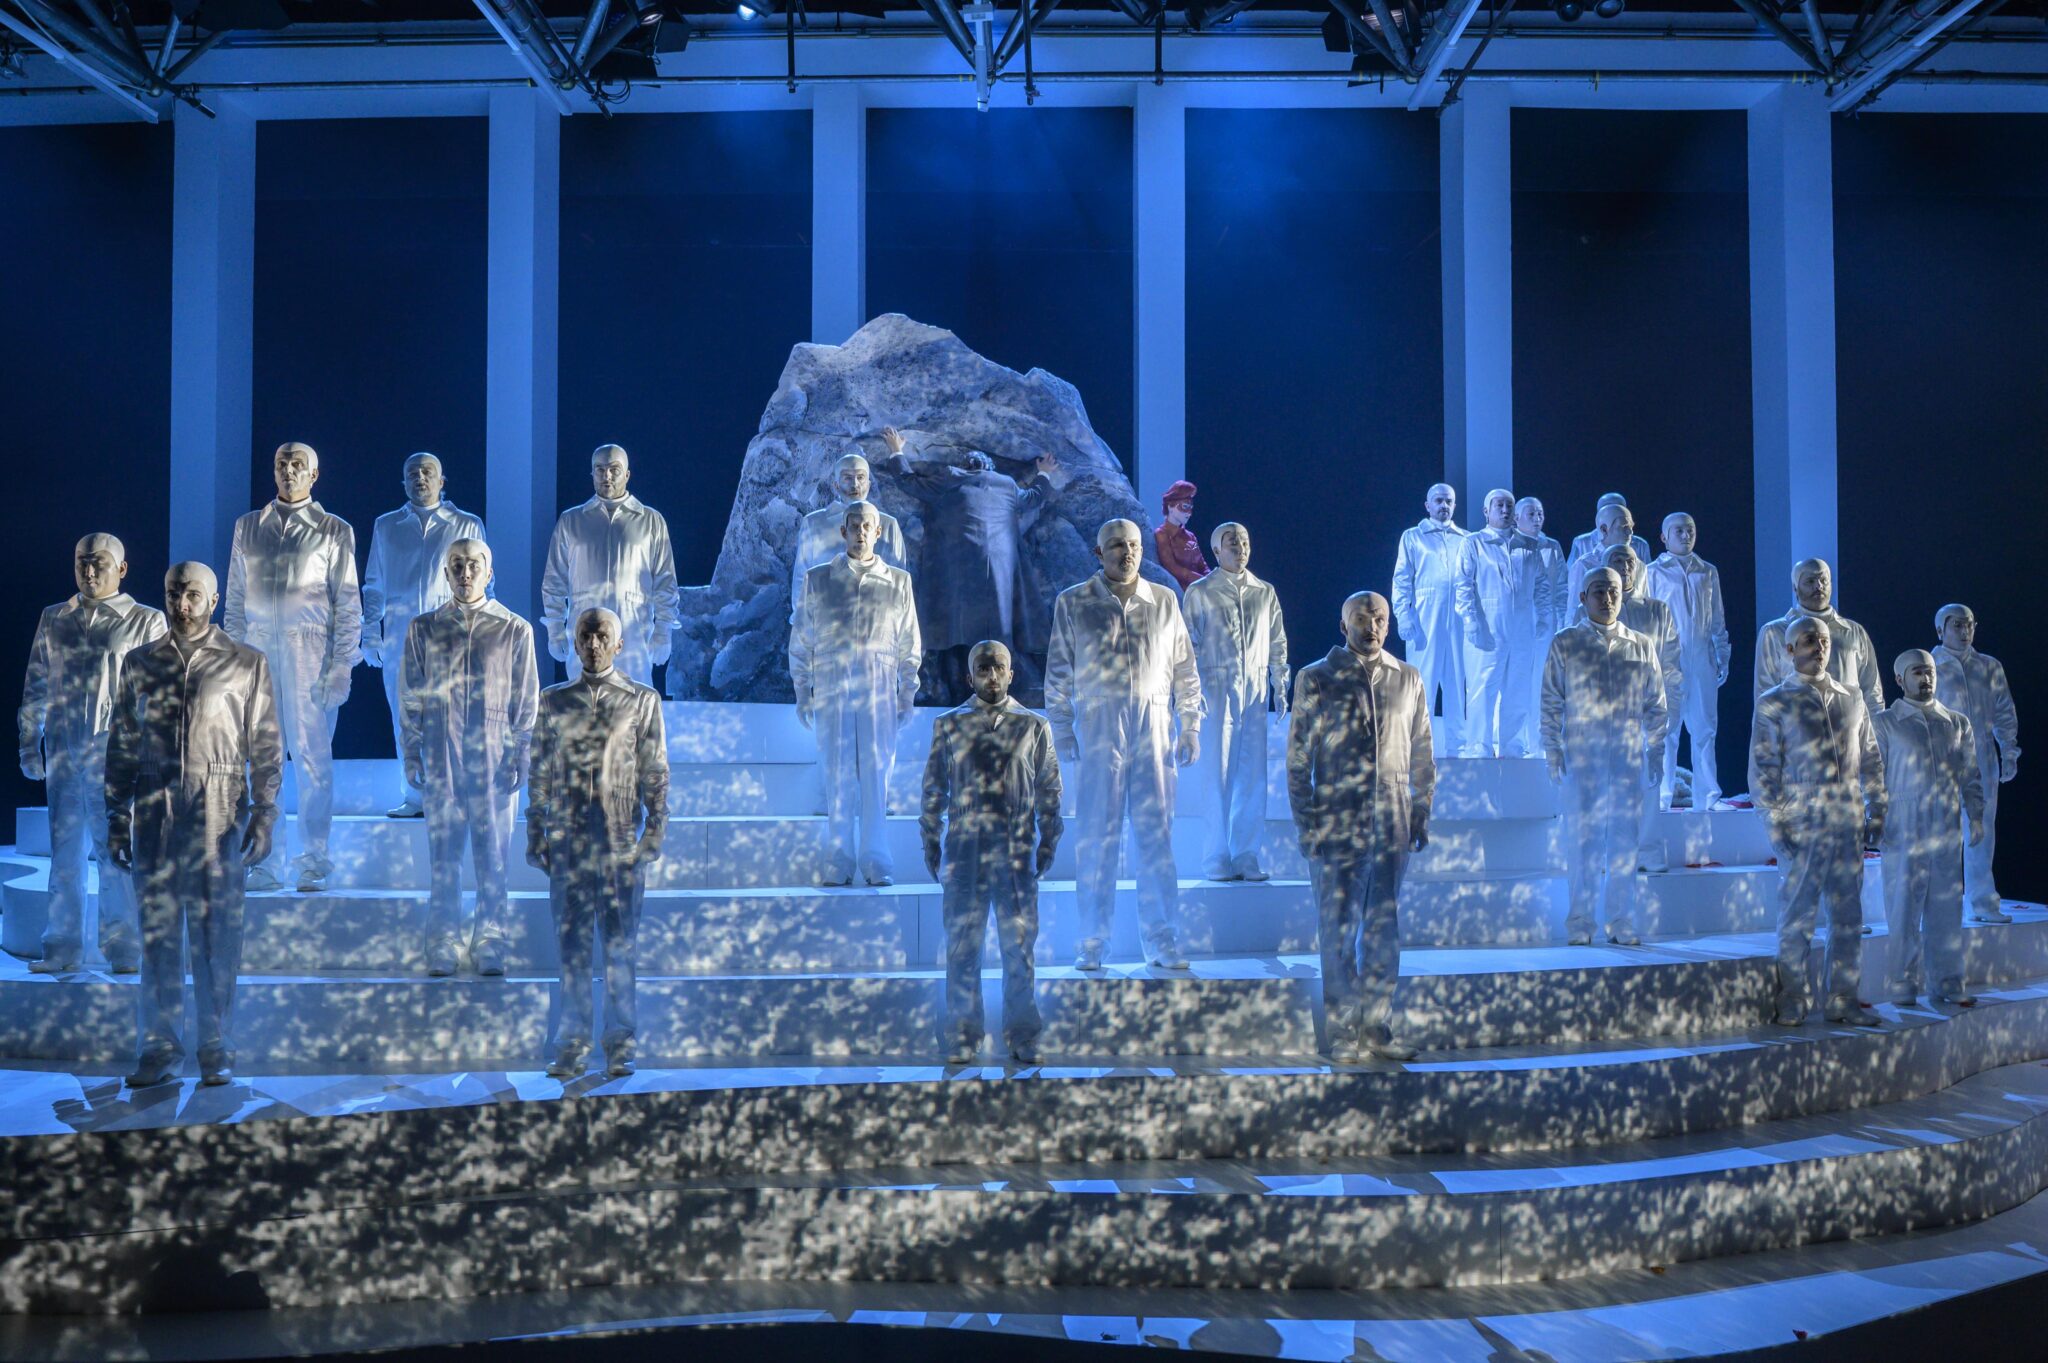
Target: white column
<point x="839" y="212"/>
<point x="1159" y="166"/>
<point x="1792" y="337"/>
<point x="1478" y="270"/>
<point x="213" y="267"/>
<point x="522" y="270"/>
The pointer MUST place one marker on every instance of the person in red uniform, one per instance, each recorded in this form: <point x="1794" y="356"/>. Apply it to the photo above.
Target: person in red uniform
<point x="1180" y="553"/>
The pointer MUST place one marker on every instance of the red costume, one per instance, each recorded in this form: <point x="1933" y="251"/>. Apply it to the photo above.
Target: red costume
<point x="1180" y="553"/>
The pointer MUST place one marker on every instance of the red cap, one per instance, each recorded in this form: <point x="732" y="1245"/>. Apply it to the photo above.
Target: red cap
<point x="1181" y="491"/>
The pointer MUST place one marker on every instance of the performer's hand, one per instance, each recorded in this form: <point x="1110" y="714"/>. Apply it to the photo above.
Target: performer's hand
<point x="2008" y="766"/>
<point x="415" y="774"/>
<point x="1046" y="465"/>
<point x="661" y="646"/>
<point x="803" y="713"/>
<point x="1976" y="832"/>
<point x="906" y="709"/>
<point x="515" y="772"/>
<point x="32" y="764"/>
<point x="931" y="859"/>
<point x="1556" y="761"/>
<point x="1282" y="702"/>
<point x="537" y="855"/>
<point x="120" y="844"/>
<point x="1046" y="852"/>
<point x="334" y="689"/>
<point x="1187" y="748"/>
<point x="256" y="841"/>
<point x="645" y="852"/>
<point x="1873" y="831"/>
<point x="893" y="438"/>
<point x="1418" y="835"/>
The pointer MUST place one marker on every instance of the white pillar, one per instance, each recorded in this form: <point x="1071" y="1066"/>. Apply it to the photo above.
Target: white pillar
<point x="213" y="272"/>
<point x="839" y="212"/>
<point x="1159" y="165"/>
<point x="1478" y="270"/>
<point x="1792" y="337"/>
<point x="522" y="270"/>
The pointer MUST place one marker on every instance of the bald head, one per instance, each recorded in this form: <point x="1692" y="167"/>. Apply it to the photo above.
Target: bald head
<point x="1529" y="516"/>
<point x="1120" y="550"/>
<point x="851" y="478"/>
<point x="1914" y="671"/>
<point x="1365" y="619"/>
<point x="98" y="563"/>
<point x="1622" y="559"/>
<point x="1601" y="596"/>
<point x="1232" y="545"/>
<point x="1440" y="503"/>
<point x="1956" y="626"/>
<point x="989" y="671"/>
<point x="859" y="528"/>
<point x="424" y="480"/>
<point x="469" y="570"/>
<point x="1616" y="523"/>
<point x="1500" y="509"/>
<point x="191" y="591"/>
<point x="609" y="471"/>
<point x="1813" y="583"/>
<point x="295" y="468"/>
<point x="599" y="636"/>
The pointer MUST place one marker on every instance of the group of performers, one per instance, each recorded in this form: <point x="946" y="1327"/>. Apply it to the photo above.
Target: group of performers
<point x="163" y="739"/>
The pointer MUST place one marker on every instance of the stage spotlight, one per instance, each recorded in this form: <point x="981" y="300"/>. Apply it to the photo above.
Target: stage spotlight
<point x="647" y="12"/>
<point x="1610" y="9"/>
<point x="1567" y="10"/>
<point x="747" y="11"/>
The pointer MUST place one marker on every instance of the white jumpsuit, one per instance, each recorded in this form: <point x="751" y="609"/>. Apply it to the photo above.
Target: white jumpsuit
<point x="1503" y="598"/>
<point x="1425" y="606"/>
<point x="1931" y="782"/>
<point x="403" y="579"/>
<point x="854" y="651"/>
<point x="67" y="702"/>
<point x="1652" y="619"/>
<point x="1691" y="587"/>
<point x="471" y="685"/>
<point x="1117" y="673"/>
<point x="1852" y="660"/>
<point x="818" y="541"/>
<point x="1556" y="570"/>
<point x="1973" y="685"/>
<point x="1240" y="643"/>
<point x="194" y="758"/>
<point x="614" y="554"/>
<point x="1815" y="772"/>
<point x="1604" y="715"/>
<point x="292" y="595"/>
<point x="1585" y="544"/>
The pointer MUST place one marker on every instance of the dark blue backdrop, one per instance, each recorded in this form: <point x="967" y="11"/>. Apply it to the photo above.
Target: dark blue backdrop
<point x="1012" y="229"/>
<point x="1941" y="307"/>
<point x="1631" y="336"/>
<point x="85" y="224"/>
<point x="370" y="323"/>
<point x="1314" y="344"/>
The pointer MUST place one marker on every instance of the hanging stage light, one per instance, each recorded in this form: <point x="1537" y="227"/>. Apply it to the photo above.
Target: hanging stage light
<point x="1567" y="10"/>
<point x="647" y="12"/>
<point x="1610" y="9"/>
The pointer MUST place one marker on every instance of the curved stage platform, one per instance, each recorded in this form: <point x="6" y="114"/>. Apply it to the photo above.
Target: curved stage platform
<point x="1601" y="1153"/>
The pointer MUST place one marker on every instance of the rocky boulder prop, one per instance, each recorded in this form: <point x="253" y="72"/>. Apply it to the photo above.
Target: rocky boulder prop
<point x="834" y="400"/>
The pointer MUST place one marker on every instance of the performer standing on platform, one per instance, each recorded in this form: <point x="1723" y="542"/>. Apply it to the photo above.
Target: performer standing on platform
<point x="1426" y="612"/>
<point x="403" y="581"/>
<point x="613" y="551"/>
<point x="292" y="595"/>
<point x="1180" y="553"/>
<point x="853" y="656"/>
<point x="1931" y="784"/>
<point x="991" y="773"/>
<point x="1119" y="670"/>
<point x="1550" y="557"/>
<point x="1361" y="777"/>
<point x="194" y="763"/>
<point x="1240" y="643"/>
<point x="1691" y="587"/>
<point x="1851" y="659"/>
<point x="1595" y="538"/>
<point x="67" y="703"/>
<point x="596" y="812"/>
<point x="1651" y="618"/>
<point x="1973" y="685"/>
<point x="471" y="692"/>
<point x="1603" y="734"/>
<point x="1503" y="596"/>
<point x="1815" y="771"/>
<point x="817" y="535"/>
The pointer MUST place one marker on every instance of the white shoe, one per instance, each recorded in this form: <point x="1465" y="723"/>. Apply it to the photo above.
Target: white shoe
<point x="1089" y="957"/>
<point x="408" y="808"/>
<point x="261" y="880"/>
<point x="1995" y="914"/>
<point x="1167" y="957"/>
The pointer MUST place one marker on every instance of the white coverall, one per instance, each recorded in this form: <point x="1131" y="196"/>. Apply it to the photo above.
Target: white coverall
<point x="1931" y="782"/>
<point x="614" y="554"/>
<point x="818" y="541"/>
<point x="600" y="775"/>
<point x="1240" y="643"/>
<point x="1815" y="772"/>
<point x="402" y="581"/>
<point x="1604" y="720"/>
<point x="1973" y="685"/>
<point x="1691" y="587"/>
<point x="1852" y="660"/>
<point x="1556" y="569"/>
<point x="1585" y="544"/>
<point x="471" y="691"/>
<point x="1652" y="619"/>
<point x="1425" y="609"/>
<point x="67" y="702"/>
<point x="193" y="759"/>
<point x="292" y="595"/>
<point x="1361" y="778"/>
<point x="1503" y="597"/>
<point x="854" y="651"/>
<point x="992" y="772"/>
<point x="1116" y="674"/>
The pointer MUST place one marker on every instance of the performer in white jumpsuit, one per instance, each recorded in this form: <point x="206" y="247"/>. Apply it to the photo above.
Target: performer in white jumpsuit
<point x="817" y="534"/>
<point x="1617" y="528"/>
<point x="67" y="702"/>
<point x="1603" y="727"/>
<point x="1240" y="642"/>
<point x="471" y="690"/>
<point x="1361" y="777"/>
<point x="1426" y="612"/>
<point x="1503" y="597"/>
<point x="1973" y="685"/>
<point x="1652" y="619"/>
<point x="194" y="763"/>
<point x="1550" y="555"/>
<point x="1931" y="783"/>
<point x="1691" y="587"/>
<point x="1815" y="772"/>
<point x="854" y="652"/>
<point x="991" y="774"/>
<point x="613" y="551"/>
<point x="1118" y="671"/>
<point x="405" y="579"/>
<point x="1851" y="659"/>
<point x="1587" y="541"/>
<point x="597" y="809"/>
<point x="293" y="596"/>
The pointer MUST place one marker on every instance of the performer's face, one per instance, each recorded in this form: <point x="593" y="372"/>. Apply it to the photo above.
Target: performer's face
<point x="1809" y="646"/>
<point x="1180" y="513"/>
<point x="991" y="665"/>
<point x="609" y="472"/>
<point x="97" y="571"/>
<point x="597" y="640"/>
<point x="1234" y="548"/>
<point x="1365" y="624"/>
<point x="1959" y="630"/>
<point x="469" y="571"/>
<point x="852" y="480"/>
<point x="1529" y="517"/>
<point x="1119" y="552"/>
<point x="860" y="530"/>
<point x="189" y="599"/>
<point x="1917" y="681"/>
<point x="1680" y="535"/>
<point x="1814" y="586"/>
